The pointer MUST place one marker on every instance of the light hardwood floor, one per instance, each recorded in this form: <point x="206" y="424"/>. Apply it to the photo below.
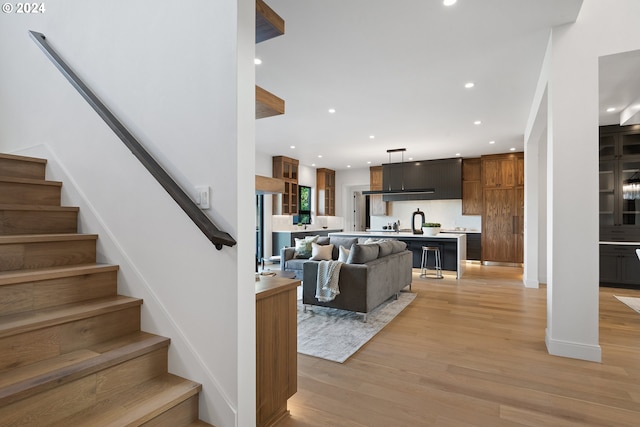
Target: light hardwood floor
<point x="472" y="353"/>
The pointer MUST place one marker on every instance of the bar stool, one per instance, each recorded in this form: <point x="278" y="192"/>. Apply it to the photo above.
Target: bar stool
<point x="437" y="263"/>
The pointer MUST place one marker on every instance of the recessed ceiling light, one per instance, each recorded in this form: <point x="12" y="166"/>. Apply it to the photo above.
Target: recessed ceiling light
<point x="410" y="158"/>
<point x="512" y="149"/>
<point x="372" y="136"/>
<point x="449" y="2"/>
<point x="611" y="110"/>
<point x="257" y="61"/>
<point x="293" y="146"/>
<point x="469" y="85"/>
<point x="457" y="154"/>
<point x="313" y="164"/>
<point x="348" y="166"/>
<point x="492" y="142"/>
<point x="477" y="122"/>
<point x="332" y="110"/>
<point x="319" y="156"/>
<point x="368" y="163"/>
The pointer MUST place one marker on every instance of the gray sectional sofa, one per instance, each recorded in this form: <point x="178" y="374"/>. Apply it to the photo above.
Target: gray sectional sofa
<point x="376" y="272"/>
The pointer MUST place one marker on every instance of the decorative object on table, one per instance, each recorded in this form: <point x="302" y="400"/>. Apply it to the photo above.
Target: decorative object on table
<point x="420" y="214"/>
<point x="431" y="228"/>
<point x="333" y="334"/>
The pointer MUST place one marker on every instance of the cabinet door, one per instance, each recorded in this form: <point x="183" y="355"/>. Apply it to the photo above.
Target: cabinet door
<point x="375" y="178"/>
<point x="608" y="265"/>
<point x="607" y="188"/>
<point x="498" y="242"/>
<point x="519" y="225"/>
<point x="471" y="198"/>
<point x="630" y="268"/>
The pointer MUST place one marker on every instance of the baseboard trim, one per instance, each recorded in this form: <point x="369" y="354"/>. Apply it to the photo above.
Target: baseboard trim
<point x="530" y="283"/>
<point x="573" y="350"/>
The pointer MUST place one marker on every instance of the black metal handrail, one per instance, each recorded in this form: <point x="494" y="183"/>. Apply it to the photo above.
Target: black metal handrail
<point x="217" y="237"/>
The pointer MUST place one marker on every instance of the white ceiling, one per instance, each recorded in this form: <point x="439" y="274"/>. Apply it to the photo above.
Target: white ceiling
<point x="397" y="70"/>
<point x="619" y="84"/>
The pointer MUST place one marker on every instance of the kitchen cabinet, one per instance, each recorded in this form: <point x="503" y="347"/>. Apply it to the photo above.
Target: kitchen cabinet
<point x="377" y="206"/>
<point x="619" y="266"/>
<point x="471" y="187"/>
<point x="444" y="176"/>
<point x="326" y="191"/>
<point x="286" y="168"/>
<point x="619" y="167"/>
<point x="503" y="208"/>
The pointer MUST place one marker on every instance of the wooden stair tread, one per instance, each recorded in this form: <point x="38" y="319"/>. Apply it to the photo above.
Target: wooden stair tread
<point x="23" y="158"/>
<point x="18" y="323"/>
<point x="19" y="383"/>
<point x="21" y="276"/>
<point x="14" y="207"/>
<point x="137" y="405"/>
<point x="32" y="181"/>
<point x="39" y="238"/>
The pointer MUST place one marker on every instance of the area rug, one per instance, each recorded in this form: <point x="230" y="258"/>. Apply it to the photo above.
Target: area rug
<point x="335" y="335"/>
<point x="634" y="303"/>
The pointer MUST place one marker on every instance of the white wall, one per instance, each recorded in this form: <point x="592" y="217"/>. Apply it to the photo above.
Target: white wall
<point x="172" y="75"/>
<point x="602" y="28"/>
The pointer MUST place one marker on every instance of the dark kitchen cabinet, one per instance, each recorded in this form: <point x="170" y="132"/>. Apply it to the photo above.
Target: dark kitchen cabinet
<point x="443" y="176"/>
<point x="619" y="266"/>
<point x="448" y="251"/>
<point x="619" y="183"/>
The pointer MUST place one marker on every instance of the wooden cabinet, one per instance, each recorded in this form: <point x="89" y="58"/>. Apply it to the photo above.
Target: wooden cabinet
<point x="471" y="187"/>
<point x="503" y="208"/>
<point x="286" y="168"/>
<point x="276" y="347"/>
<point x="326" y="191"/>
<point x="377" y="206"/>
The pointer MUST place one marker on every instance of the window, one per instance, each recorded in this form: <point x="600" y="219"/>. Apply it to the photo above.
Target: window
<point x="304" y="213"/>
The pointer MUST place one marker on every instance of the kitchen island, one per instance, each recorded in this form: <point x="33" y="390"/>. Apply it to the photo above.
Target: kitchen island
<point x="453" y="247"/>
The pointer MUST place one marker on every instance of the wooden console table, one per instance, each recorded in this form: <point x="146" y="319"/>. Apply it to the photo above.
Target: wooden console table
<point x="276" y="347"/>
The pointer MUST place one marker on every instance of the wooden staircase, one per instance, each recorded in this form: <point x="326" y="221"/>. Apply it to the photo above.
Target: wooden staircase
<point x="71" y="349"/>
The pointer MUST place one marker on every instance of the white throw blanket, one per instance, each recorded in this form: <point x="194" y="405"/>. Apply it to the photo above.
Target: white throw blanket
<point x="327" y="281"/>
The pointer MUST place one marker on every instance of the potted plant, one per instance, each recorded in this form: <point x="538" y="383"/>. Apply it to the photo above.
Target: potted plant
<point x="431" y="228"/>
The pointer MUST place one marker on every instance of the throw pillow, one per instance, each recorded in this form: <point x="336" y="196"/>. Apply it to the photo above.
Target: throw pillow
<point x="303" y="246"/>
<point x="321" y="252"/>
<point x="361" y="254"/>
<point x="398" y="246"/>
<point x="344" y="254"/>
<point x="370" y="241"/>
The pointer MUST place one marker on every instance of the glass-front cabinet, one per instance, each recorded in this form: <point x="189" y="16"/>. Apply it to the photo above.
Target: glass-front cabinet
<point x="619" y="200"/>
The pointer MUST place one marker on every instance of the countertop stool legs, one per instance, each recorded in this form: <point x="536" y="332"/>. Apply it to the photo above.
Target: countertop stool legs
<point x="437" y="270"/>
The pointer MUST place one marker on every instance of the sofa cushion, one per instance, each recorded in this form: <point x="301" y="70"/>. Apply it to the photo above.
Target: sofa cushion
<point x="336" y="241"/>
<point x="343" y="254"/>
<point x="386" y="248"/>
<point x="361" y="254"/>
<point x="323" y="240"/>
<point x="295" y="264"/>
<point x="321" y="252"/>
<point x="398" y="246"/>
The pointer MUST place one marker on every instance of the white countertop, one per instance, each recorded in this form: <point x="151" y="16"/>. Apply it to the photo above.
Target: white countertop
<point x="465" y="231"/>
<point x="621" y="243"/>
<point x="398" y="234"/>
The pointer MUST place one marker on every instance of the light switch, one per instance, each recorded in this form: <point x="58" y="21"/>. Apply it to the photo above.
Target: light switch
<point x="202" y="196"/>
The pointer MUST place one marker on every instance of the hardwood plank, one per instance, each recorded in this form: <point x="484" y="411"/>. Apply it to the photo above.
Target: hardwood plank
<point x="136" y="406"/>
<point x="128" y="374"/>
<point x="22" y="167"/>
<point x="184" y="414"/>
<point x="471" y="352"/>
<point x="42" y="251"/>
<point x="38" y="294"/>
<point x="27" y="276"/>
<point x="54" y="220"/>
<point x="15" y="324"/>
<point x="29" y="348"/>
<point x="29" y="191"/>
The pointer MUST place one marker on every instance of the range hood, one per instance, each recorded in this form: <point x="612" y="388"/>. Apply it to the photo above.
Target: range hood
<point x="420" y="180"/>
<point x="401" y="191"/>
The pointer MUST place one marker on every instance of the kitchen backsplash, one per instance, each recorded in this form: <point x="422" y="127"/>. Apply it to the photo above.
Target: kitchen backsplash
<point x="446" y="212"/>
<point x="285" y="223"/>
